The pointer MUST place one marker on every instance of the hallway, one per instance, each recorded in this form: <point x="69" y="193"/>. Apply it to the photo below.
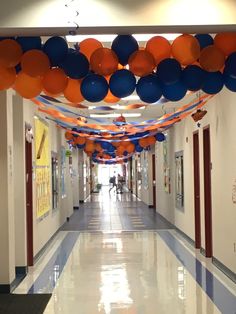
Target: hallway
<point x="116" y="256"/>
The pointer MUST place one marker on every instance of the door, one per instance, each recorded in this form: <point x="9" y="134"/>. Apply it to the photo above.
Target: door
<point x="154" y="180"/>
<point x="196" y="175"/>
<point x="29" y="203"/>
<point x="207" y="191"/>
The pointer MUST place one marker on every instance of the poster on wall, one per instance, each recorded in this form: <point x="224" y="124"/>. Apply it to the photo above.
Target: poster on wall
<point x="166" y="168"/>
<point x="42" y="168"/>
<point x="179" y="180"/>
<point x="63" y="171"/>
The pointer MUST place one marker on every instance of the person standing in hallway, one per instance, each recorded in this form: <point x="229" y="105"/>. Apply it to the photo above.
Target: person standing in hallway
<point x="112" y="182"/>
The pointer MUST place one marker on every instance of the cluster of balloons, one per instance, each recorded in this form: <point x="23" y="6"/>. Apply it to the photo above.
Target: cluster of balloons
<point x="116" y="150"/>
<point x="93" y="72"/>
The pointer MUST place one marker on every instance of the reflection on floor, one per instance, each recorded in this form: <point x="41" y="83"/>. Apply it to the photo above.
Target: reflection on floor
<point x="111" y="211"/>
<point x="126" y="272"/>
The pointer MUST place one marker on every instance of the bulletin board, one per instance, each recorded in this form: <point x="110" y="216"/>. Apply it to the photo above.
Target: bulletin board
<point x="42" y="168"/>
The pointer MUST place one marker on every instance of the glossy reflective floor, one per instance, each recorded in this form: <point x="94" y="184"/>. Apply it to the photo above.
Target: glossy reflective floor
<point x="127" y="272"/>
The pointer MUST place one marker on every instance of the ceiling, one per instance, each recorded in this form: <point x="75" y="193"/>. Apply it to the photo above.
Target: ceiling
<point x="61" y="17"/>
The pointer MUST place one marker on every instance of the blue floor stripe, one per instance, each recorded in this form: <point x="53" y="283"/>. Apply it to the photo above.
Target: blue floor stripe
<point x="48" y="278"/>
<point x="216" y="291"/>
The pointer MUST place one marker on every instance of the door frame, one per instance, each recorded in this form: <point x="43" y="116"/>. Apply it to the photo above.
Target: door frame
<point x="207" y="190"/>
<point x="154" y="180"/>
<point x="29" y="202"/>
<point x="196" y="178"/>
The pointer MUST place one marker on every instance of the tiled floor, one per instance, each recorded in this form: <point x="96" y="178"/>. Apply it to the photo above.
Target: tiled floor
<point x="111" y="211"/>
<point x="127" y="268"/>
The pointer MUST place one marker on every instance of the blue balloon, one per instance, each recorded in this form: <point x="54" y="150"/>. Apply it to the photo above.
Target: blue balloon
<point x="213" y="82"/>
<point x="135" y="142"/>
<point x="28" y="43"/>
<point x="174" y="92"/>
<point x="204" y="40"/>
<point x="230" y="65"/>
<point x="104" y="145"/>
<point x="230" y="83"/>
<point x="18" y="68"/>
<point x="148" y="88"/>
<point x="160" y="137"/>
<point x="111" y="148"/>
<point x="80" y="145"/>
<point x="2" y="38"/>
<point x="76" y="65"/>
<point x="138" y="148"/>
<point x="169" y="71"/>
<point x="94" y="87"/>
<point x="75" y="130"/>
<point x="193" y="77"/>
<point x="122" y="83"/>
<point x="56" y="49"/>
<point x="124" y="46"/>
<point x="94" y="155"/>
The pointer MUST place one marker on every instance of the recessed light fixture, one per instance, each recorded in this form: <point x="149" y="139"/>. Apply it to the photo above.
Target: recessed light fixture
<point x="115" y="115"/>
<point x="110" y="37"/>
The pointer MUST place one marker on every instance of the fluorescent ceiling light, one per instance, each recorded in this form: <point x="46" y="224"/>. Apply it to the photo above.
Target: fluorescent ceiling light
<point x="131" y="97"/>
<point x="115" y="115"/>
<point x="111" y="37"/>
<point x="102" y="38"/>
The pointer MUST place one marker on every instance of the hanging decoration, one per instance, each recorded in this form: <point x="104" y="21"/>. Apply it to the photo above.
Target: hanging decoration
<point x="160" y="71"/>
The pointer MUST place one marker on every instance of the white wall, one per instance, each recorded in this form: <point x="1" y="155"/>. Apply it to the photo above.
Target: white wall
<point x="43" y="229"/>
<point x="221" y="118"/>
<point x="164" y="200"/>
<point x="7" y="230"/>
<point x="147" y="177"/>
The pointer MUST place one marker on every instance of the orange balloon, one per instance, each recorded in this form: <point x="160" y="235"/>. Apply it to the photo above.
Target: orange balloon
<point x="89" y="147"/>
<point x="120" y="150"/>
<point x="115" y="144"/>
<point x="88" y="46"/>
<point x="35" y="63"/>
<point x="55" y="81"/>
<point x="226" y="42"/>
<point x="141" y="63"/>
<point x="72" y="91"/>
<point x="7" y="77"/>
<point x="27" y="86"/>
<point x="50" y="94"/>
<point x="80" y="140"/>
<point x="212" y="59"/>
<point x="110" y="98"/>
<point x="98" y="147"/>
<point x="130" y="148"/>
<point x="69" y="136"/>
<point x="159" y="47"/>
<point x="185" y="49"/>
<point x="10" y="53"/>
<point x="104" y="61"/>
<point x="143" y="142"/>
<point x="151" y="140"/>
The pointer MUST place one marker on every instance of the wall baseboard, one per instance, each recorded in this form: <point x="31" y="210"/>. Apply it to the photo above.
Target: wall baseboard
<point x="184" y="235"/>
<point x="43" y="249"/>
<point x="21" y="270"/>
<point x="229" y="273"/>
<point x="203" y="251"/>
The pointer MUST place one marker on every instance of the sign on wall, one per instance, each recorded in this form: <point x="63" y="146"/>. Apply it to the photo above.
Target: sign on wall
<point x="42" y="168"/>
